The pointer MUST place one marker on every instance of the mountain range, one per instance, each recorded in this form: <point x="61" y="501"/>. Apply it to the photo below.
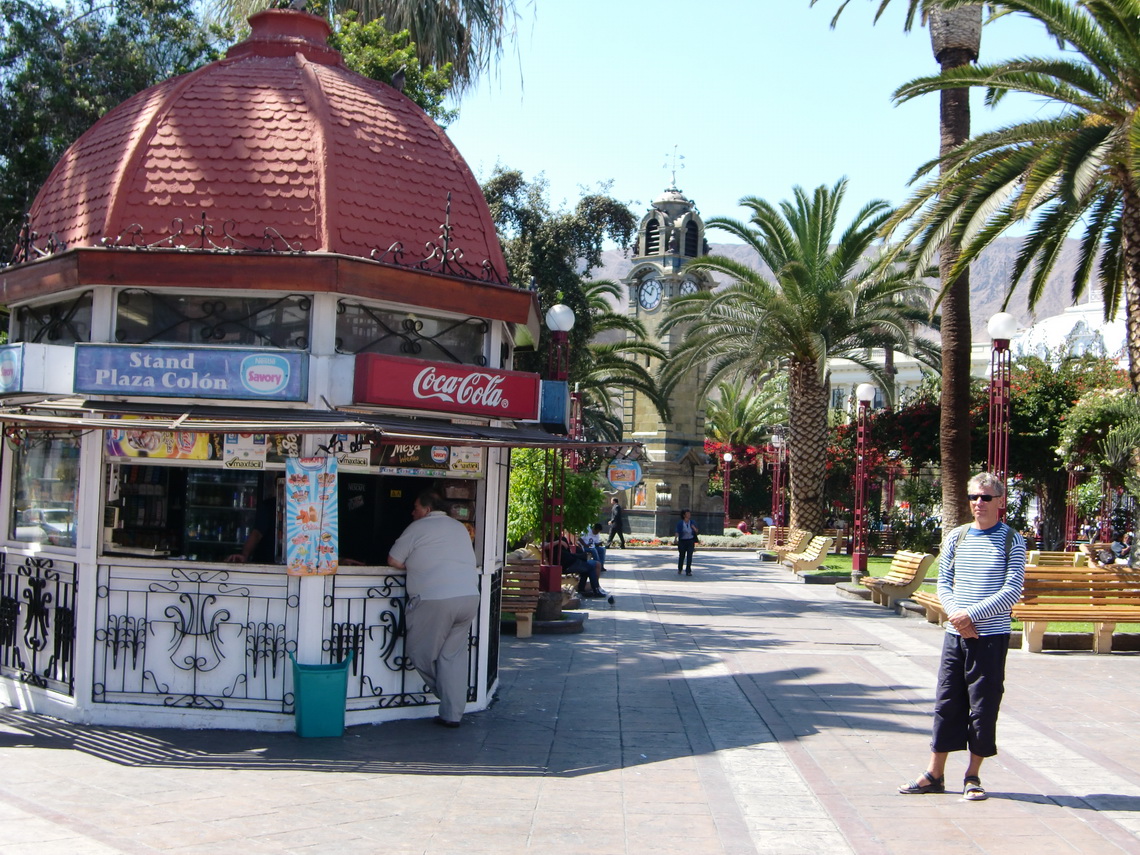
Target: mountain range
<point x="989" y="281"/>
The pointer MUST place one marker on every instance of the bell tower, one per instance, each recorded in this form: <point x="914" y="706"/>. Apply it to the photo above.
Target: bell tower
<point x="677" y="472"/>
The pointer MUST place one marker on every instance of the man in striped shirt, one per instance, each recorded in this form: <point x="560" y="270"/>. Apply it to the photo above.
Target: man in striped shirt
<point x="981" y="572"/>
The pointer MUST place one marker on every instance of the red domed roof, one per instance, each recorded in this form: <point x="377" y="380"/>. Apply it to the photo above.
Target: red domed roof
<point x="277" y="137"/>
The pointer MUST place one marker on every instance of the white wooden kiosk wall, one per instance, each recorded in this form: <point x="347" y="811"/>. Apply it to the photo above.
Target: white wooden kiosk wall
<point x="167" y="643"/>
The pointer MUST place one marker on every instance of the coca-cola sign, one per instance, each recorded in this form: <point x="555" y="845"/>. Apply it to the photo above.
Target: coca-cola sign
<point x="395" y="381"/>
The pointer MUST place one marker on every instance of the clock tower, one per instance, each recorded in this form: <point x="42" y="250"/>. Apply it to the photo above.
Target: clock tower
<point x="676" y="472"/>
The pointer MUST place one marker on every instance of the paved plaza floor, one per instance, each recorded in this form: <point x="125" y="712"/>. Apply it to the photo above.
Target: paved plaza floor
<point x="738" y="711"/>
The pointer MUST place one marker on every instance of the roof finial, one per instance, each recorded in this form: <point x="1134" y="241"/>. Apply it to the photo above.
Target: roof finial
<point x="671" y="163"/>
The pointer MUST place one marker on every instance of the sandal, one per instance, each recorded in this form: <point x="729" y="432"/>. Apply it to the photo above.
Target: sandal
<point x="972" y="790"/>
<point x="934" y="785"/>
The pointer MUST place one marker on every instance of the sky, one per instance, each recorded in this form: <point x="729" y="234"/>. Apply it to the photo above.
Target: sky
<point x="757" y="96"/>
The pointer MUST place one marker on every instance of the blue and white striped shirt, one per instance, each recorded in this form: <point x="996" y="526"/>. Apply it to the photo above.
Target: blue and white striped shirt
<point x="980" y="580"/>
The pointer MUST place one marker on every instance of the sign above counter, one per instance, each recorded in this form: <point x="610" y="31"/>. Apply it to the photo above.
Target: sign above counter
<point x="32" y="367"/>
<point x="396" y="381"/>
<point x="191" y="372"/>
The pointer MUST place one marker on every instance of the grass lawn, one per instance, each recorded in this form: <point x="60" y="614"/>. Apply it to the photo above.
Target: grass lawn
<point x="1059" y="626"/>
<point x="876" y="566"/>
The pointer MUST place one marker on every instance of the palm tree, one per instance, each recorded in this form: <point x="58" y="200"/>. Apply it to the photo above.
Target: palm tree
<point x="956" y="37"/>
<point x="469" y="34"/>
<point x="612" y="366"/>
<point x="1079" y="168"/>
<point x="822" y="302"/>
<point x="739" y="416"/>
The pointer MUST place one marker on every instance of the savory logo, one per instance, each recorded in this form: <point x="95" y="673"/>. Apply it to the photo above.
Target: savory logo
<point x="264" y="374"/>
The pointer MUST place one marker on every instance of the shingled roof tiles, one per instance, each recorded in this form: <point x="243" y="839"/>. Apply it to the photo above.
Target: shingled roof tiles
<point x="278" y="135"/>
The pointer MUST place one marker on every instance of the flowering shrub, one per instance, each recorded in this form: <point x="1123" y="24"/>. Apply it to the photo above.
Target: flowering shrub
<point x="742" y="541"/>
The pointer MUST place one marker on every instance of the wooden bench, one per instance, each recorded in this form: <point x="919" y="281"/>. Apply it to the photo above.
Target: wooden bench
<point x="811" y="557"/>
<point x="906" y="574"/>
<point x="1047" y="558"/>
<point x="928" y="599"/>
<point x="520" y="595"/>
<point x="1090" y="551"/>
<point x="885" y="541"/>
<point x="797" y="541"/>
<point x="1101" y="596"/>
<point x="839" y="537"/>
<point x="773" y="536"/>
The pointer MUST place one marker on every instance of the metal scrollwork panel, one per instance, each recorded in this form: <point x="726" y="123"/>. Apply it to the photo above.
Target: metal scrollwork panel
<point x="366" y="614"/>
<point x="196" y="638"/>
<point x="37" y="620"/>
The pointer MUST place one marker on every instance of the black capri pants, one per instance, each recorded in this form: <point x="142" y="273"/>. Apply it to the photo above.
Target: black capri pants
<point x="971" y="682"/>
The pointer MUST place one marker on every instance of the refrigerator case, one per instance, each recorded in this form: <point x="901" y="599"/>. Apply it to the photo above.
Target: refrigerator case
<point x="221" y="508"/>
<point x="142" y="502"/>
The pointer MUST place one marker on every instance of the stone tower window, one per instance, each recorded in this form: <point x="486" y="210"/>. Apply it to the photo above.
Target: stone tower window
<point x="692" y="240"/>
<point x="652" y="238"/>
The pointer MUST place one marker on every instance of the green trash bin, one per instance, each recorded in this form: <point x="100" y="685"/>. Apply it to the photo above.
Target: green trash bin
<point x="319" y="693"/>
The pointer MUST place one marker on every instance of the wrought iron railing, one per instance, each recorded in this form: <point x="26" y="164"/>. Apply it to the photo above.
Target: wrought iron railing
<point x="194" y="638"/>
<point x="37" y="621"/>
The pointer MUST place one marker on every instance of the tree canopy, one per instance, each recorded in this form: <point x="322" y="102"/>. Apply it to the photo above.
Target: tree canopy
<point x="63" y="67"/>
<point x="528" y="492"/>
<point x="371" y="49"/>
<point x="1072" y="169"/>
<point x="467" y="35"/>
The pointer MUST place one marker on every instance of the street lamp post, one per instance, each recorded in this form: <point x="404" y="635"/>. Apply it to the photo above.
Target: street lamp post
<point x="1072" y="523"/>
<point x="727" y="476"/>
<point x="778" y="475"/>
<point x="1001" y="328"/>
<point x="865" y="393"/>
<point x="559" y="320"/>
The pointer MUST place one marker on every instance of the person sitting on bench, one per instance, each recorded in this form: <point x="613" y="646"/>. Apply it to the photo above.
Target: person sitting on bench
<point x="576" y="561"/>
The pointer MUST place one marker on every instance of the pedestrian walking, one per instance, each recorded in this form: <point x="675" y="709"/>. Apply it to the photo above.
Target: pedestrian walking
<point x="981" y="572"/>
<point x="617" y="523"/>
<point x="686" y="543"/>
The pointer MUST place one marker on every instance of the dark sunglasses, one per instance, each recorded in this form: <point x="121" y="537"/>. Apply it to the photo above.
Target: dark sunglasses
<point x="973" y="497"/>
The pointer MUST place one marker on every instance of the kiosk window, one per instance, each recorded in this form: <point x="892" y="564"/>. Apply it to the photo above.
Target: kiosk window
<point x="45" y="485"/>
<point x="364" y="329"/>
<point x="145" y="317"/>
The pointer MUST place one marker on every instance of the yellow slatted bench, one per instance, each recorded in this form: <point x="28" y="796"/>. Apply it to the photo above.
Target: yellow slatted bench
<point x="1047" y="558"/>
<point x="774" y="535"/>
<point x="1101" y="596"/>
<point x="839" y="537"/>
<point x="1089" y="552"/>
<point x="928" y="599"/>
<point x="520" y="595"/>
<point x="797" y="541"/>
<point x="907" y="573"/>
<point x="812" y="556"/>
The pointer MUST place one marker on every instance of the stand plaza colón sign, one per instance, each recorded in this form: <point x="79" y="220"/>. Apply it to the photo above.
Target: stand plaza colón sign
<point x="395" y="381"/>
<point x="191" y="372"/>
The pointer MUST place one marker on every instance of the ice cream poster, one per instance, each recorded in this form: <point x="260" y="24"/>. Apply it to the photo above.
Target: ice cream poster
<point x="157" y="443"/>
<point x="311" y="524"/>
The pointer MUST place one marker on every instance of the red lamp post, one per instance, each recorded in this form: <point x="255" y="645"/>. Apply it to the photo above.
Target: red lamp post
<point x="779" y="476"/>
<point x="1001" y="328"/>
<point x="1072" y="523"/>
<point x="727" y="478"/>
<point x="560" y="320"/>
<point x="865" y="393"/>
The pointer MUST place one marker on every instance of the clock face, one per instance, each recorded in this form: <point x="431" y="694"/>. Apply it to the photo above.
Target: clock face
<point x="649" y="293"/>
<point x="689" y="287"/>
